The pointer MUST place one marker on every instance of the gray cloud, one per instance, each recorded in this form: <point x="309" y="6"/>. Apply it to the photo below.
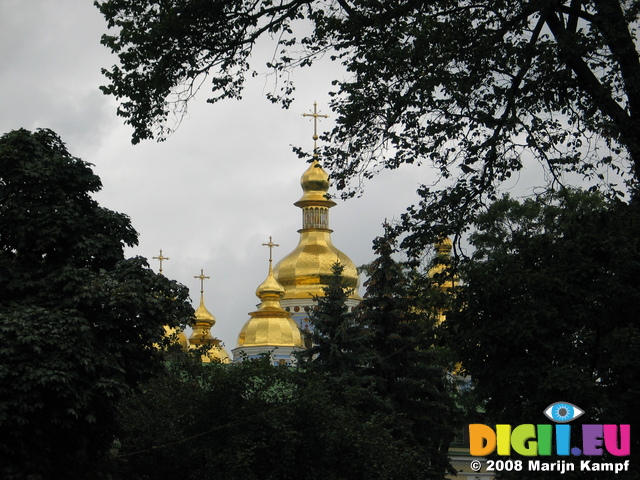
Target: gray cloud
<point x="215" y="190"/>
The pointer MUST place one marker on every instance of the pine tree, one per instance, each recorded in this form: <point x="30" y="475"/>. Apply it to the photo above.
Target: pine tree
<point x="339" y="342"/>
<point x="410" y="371"/>
<point x="380" y="359"/>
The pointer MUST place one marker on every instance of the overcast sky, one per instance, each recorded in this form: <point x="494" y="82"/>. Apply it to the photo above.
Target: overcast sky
<point x="215" y="190"/>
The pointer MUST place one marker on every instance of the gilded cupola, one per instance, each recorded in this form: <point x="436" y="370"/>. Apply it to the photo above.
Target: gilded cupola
<point x="270" y="326"/>
<point x="305" y="272"/>
<point x="201" y="335"/>
<point x="440" y="272"/>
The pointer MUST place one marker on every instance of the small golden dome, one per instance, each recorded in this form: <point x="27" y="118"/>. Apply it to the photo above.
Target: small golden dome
<point x="216" y="353"/>
<point x="315" y="177"/>
<point x="315" y="185"/>
<point x="204" y="320"/>
<point x="444" y="246"/>
<point x="201" y="335"/>
<point x="203" y="315"/>
<point x="440" y="269"/>
<point x="176" y="334"/>
<point x="270" y="325"/>
<point x="270" y="287"/>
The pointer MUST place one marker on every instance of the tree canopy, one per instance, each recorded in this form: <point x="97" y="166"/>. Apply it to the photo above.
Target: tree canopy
<point x="381" y="358"/>
<point x="549" y="310"/>
<point x="79" y="323"/>
<point x="252" y="420"/>
<point x="473" y="88"/>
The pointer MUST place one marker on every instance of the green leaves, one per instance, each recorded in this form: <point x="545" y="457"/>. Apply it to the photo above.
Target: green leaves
<point x="549" y="307"/>
<point x="381" y="359"/>
<point x="78" y="322"/>
<point x="45" y="200"/>
<point x="474" y="90"/>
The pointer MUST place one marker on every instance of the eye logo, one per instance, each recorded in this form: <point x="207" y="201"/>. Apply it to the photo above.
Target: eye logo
<point x="563" y="412"/>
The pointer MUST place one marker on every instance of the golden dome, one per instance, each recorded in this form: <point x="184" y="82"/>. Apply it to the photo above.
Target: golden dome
<point x="176" y="334"/>
<point x="216" y="353"/>
<point x="204" y="320"/>
<point x="270" y="325"/>
<point x="315" y="185"/>
<point x="270" y="289"/>
<point x="306" y="271"/>
<point x="201" y="335"/>
<point x="204" y="315"/>
<point x="439" y="270"/>
<point x="444" y="246"/>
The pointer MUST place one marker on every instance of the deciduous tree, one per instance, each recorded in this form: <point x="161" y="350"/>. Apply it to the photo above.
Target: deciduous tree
<point x="549" y="310"/>
<point x="79" y="323"/>
<point x="472" y="88"/>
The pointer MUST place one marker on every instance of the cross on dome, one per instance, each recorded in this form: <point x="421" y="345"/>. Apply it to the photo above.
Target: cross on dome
<point x="315" y="115"/>
<point x="161" y="258"/>
<point x="270" y="245"/>
<point x="202" y="278"/>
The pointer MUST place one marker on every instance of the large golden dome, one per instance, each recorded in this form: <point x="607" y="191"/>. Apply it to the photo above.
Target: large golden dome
<point x="306" y="270"/>
<point x="270" y="325"/>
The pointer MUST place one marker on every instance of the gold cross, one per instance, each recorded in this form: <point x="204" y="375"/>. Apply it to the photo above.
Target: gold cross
<point x="270" y="245"/>
<point x="202" y="278"/>
<point x="161" y="258"/>
<point x="315" y="116"/>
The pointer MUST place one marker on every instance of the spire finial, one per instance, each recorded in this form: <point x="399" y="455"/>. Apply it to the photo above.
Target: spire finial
<point x="270" y="245"/>
<point x="202" y="278"/>
<point x="315" y="116"/>
<point x="161" y="258"/>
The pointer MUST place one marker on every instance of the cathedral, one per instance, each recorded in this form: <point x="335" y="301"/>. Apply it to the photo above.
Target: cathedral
<point x="277" y="328"/>
<point x="290" y="287"/>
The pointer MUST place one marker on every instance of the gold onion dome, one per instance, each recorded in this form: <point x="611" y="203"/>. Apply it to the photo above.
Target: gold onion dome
<point x="176" y="334"/>
<point x="270" y="325"/>
<point x="204" y="321"/>
<point x="444" y="246"/>
<point x="307" y="269"/>
<point x="201" y="335"/>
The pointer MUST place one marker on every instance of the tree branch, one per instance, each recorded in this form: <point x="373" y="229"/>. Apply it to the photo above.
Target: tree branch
<point x="611" y="22"/>
<point x="588" y="81"/>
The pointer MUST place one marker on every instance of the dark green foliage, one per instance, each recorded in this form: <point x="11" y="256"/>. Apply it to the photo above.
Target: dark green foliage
<point x="550" y="307"/>
<point x="78" y="321"/>
<point x="412" y="373"/>
<point x="370" y="400"/>
<point x="473" y="88"/>
<point x="341" y="344"/>
<point x="382" y="359"/>
<point x="248" y="421"/>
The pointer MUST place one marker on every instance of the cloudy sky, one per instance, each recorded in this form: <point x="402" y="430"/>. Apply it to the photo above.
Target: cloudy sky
<point x="215" y="190"/>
